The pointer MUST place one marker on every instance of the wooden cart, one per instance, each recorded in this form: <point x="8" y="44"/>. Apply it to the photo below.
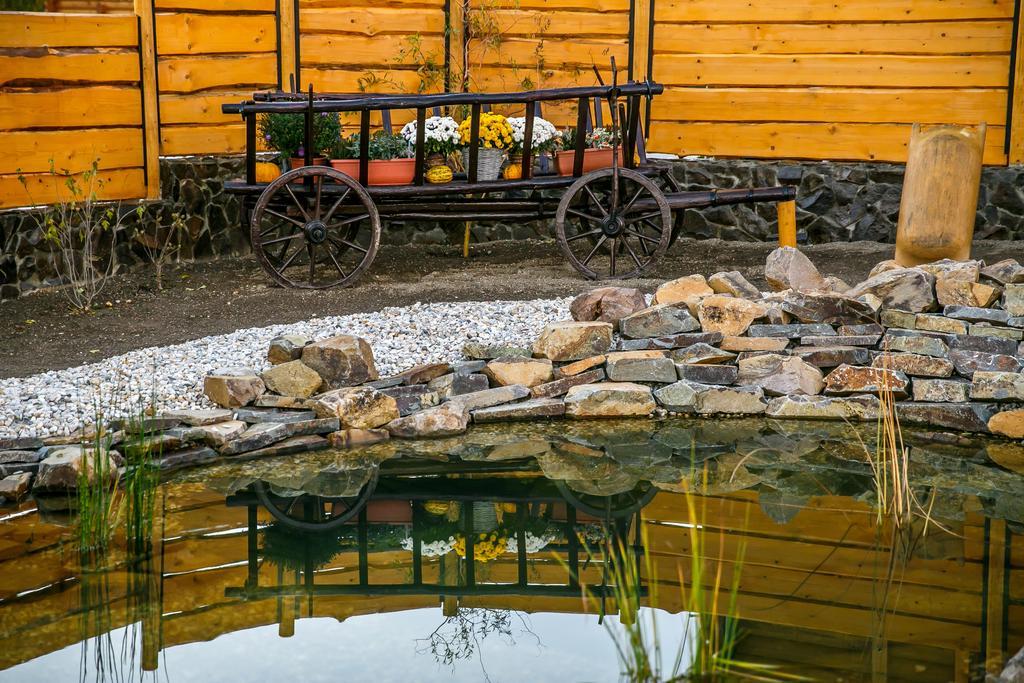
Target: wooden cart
<point x="316" y="227"/>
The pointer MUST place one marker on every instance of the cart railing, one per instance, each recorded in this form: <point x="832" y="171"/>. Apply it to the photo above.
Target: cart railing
<point x="310" y="104"/>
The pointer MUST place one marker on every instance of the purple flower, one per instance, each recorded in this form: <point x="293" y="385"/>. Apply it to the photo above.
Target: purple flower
<point x="301" y="151"/>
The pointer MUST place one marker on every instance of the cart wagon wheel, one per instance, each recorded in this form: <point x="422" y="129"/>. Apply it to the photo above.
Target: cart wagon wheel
<point x="671" y="186"/>
<point x="613" y="232"/>
<point x="309" y="512"/>
<point x="324" y="234"/>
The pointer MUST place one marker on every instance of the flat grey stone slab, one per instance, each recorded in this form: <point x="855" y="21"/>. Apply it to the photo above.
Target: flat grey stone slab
<point x="525" y="410"/>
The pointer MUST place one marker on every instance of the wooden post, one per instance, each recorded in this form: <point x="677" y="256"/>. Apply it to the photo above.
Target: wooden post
<point x="150" y="96"/>
<point x="995" y="593"/>
<point x="787" y="223"/>
<point x="1016" y="155"/>
<point x="287" y="22"/>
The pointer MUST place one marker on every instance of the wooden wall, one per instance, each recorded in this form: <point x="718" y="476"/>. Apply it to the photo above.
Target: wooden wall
<point x="210" y="52"/>
<point x="825" y="79"/>
<point x="69" y="91"/>
<point x="91" y="6"/>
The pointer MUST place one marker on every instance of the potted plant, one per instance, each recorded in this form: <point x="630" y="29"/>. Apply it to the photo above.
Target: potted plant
<point x="597" y="153"/>
<point x="441" y="139"/>
<point x="495" y="136"/>
<point x="544" y="139"/>
<point x="391" y="158"/>
<point x="286" y="133"/>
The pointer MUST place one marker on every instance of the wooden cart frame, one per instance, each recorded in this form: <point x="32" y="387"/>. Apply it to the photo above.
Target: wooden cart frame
<point x="316" y="227"/>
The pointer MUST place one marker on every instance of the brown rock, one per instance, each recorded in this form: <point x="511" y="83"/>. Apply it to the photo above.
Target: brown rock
<point x="884" y="266"/>
<point x="682" y="290"/>
<point x="740" y="344"/>
<point x="286" y="348"/>
<point x="951" y="269"/>
<point x="14" y="487"/>
<point x="199" y="418"/>
<point x="1008" y="423"/>
<point x="964" y="417"/>
<point x="914" y="364"/>
<point x="661" y="320"/>
<point x="939" y="323"/>
<point x="640" y="366"/>
<point x="526" y="410"/>
<point x="341" y="361"/>
<point x="609" y="399"/>
<point x="821" y="307"/>
<point x="561" y="386"/>
<point x="528" y="372"/>
<point x="491" y="397"/>
<point x="63" y="468"/>
<point x="706" y="399"/>
<point x="353" y="438"/>
<point x="607" y="304"/>
<point x="941" y="390"/>
<point x="233" y="387"/>
<point x="734" y="284"/>
<point x="969" y="362"/>
<point x="953" y="292"/>
<point x="729" y="315"/>
<point x="447" y="419"/>
<point x="780" y="375"/>
<point x="357" y="407"/>
<point x="423" y="373"/>
<point x="906" y="289"/>
<point x="565" y="341"/>
<point x="997" y="386"/>
<point x="702" y="354"/>
<point x="292" y="379"/>
<point x="1007" y="272"/>
<point x="789" y="268"/>
<point x="1013" y="300"/>
<point x="579" y="366"/>
<point x="217" y="435"/>
<point x="847" y="379"/>
<point x="824" y="407"/>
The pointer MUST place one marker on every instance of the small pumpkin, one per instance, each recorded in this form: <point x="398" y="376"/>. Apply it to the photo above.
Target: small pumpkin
<point x="267" y="171"/>
<point x="439" y="174"/>
<point x="512" y="172"/>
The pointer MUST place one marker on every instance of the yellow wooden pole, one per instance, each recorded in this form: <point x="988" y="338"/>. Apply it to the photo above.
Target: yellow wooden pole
<point x="787" y="223"/>
<point x="465" y="241"/>
<point x="150" y="96"/>
<point x="287" y="19"/>
<point x="1017" y="105"/>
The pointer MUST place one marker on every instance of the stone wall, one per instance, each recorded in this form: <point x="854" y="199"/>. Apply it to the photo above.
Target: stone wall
<point x="837" y="202"/>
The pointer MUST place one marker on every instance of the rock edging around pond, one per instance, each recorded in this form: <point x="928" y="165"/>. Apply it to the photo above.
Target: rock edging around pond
<point x="945" y="338"/>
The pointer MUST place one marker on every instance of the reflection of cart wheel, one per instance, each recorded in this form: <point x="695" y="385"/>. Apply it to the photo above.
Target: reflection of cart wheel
<point x="322" y="236"/>
<point x="609" y="231"/>
<point x="618" y="506"/>
<point x="669" y="185"/>
<point x="307" y="512"/>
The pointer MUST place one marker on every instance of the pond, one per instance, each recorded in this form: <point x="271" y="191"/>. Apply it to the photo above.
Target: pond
<point x="553" y="551"/>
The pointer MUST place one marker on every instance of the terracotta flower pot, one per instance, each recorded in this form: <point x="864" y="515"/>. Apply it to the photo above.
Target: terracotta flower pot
<point x="386" y="172"/>
<point x="299" y="162"/>
<point x="593" y="159"/>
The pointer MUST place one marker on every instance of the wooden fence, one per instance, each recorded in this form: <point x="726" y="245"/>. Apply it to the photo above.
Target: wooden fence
<point x="744" y="78"/>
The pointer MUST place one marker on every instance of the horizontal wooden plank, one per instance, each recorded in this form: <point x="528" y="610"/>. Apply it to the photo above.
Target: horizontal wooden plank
<point x="216" y="5"/>
<point x="44" y="188"/>
<point x="199" y="139"/>
<point x="71" y="107"/>
<point x="366" y="52"/>
<point x="570" y="53"/>
<point x="71" y="67"/>
<point x="42" y="29"/>
<point x="372" y="21"/>
<point x="196" y="73"/>
<point x="553" y="25"/>
<point x="926" y="37"/>
<point x="941" y="71"/>
<point x="74" y="150"/>
<point x="840" y="141"/>
<point x="347" y="80"/>
<point x="304" y="5"/>
<point x="818" y="11"/>
<point x="202" y="108"/>
<point x="831" y="105"/>
<point x="588" y="5"/>
<point x="189" y="33"/>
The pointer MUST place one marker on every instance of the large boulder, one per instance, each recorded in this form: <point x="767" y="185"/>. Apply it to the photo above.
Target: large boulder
<point x="63" y="468"/>
<point x="447" y="419"/>
<point x="341" y="361"/>
<point x="528" y="372"/>
<point x="728" y="315"/>
<point x="293" y="378"/>
<point x="607" y="304"/>
<point x="357" y="407"/>
<point x="566" y="341"/>
<point x="233" y="387"/>
<point x="789" y="268"/>
<point x="780" y="375"/>
<point x="287" y="347"/>
<point x="683" y="290"/>
<point x="907" y="289"/>
<point x="660" y="320"/>
<point x="609" y="399"/>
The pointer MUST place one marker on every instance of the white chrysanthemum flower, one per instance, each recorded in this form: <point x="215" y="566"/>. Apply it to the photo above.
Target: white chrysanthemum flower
<point x="543" y="131"/>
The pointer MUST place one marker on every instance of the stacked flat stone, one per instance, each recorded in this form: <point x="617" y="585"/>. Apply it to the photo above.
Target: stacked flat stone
<point x="945" y="338"/>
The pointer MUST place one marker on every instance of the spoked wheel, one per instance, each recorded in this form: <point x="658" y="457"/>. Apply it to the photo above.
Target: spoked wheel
<point x="308" y="512"/>
<point x="613" y="230"/>
<point x="670" y="185"/>
<point x="316" y="233"/>
<point x="615" y="506"/>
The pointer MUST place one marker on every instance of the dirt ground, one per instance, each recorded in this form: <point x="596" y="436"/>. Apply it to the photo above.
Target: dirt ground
<point x="38" y="333"/>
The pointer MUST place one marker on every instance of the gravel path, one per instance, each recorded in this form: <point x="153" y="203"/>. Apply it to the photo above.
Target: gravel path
<point x="59" y="402"/>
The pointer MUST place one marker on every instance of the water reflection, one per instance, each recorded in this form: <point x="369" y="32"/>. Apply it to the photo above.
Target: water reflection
<point x="483" y="530"/>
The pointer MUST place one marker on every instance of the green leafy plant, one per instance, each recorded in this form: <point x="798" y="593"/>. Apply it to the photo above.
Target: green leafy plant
<point x="82" y="230"/>
<point x="383" y="146"/>
<point x="286" y="133"/>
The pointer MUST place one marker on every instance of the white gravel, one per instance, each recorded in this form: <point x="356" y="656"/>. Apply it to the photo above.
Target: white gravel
<point x="60" y="401"/>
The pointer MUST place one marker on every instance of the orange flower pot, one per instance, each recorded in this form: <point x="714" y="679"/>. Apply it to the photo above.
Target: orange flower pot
<point x="299" y="162"/>
<point x="593" y="159"/>
<point x="381" y="172"/>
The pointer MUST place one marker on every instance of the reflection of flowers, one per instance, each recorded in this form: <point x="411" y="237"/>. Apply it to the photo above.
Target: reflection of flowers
<point x="534" y="542"/>
<point x="486" y="546"/>
<point x="441" y="546"/>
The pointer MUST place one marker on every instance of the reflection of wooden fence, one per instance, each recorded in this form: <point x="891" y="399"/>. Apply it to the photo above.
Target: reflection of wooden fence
<point x="755" y="79"/>
<point x="820" y="578"/>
